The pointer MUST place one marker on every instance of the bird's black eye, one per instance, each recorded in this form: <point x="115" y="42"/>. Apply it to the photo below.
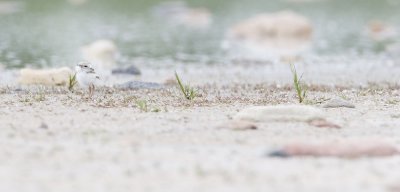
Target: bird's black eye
<point x="85" y="66"/>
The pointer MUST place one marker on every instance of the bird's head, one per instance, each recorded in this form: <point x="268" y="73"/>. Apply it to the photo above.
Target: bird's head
<point x="83" y="66"/>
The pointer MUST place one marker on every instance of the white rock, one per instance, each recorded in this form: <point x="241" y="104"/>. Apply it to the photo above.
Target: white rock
<point x="280" y="113"/>
<point x="101" y="53"/>
<point x="51" y="77"/>
<point x="284" y="33"/>
<point x="337" y="102"/>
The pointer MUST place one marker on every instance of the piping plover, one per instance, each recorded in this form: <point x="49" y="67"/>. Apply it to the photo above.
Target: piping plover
<point x="86" y="76"/>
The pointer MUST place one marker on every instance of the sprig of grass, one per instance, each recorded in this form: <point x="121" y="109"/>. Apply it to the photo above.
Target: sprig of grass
<point x="72" y="82"/>
<point x="40" y="97"/>
<point x="300" y="87"/>
<point x="188" y="92"/>
<point x="142" y="105"/>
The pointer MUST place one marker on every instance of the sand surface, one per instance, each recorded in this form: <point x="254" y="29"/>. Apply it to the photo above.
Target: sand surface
<point x="54" y="140"/>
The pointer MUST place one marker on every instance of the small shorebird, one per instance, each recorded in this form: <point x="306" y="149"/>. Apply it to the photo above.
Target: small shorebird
<point x="86" y="76"/>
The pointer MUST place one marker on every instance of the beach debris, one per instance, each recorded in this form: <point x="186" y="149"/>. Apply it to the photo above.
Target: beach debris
<point x="9" y="7"/>
<point x="237" y="125"/>
<point x="355" y="148"/>
<point x="138" y="85"/>
<point x="380" y="31"/>
<point x="285" y="33"/>
<point x="101" y="53"/>
<point x="323" y="123"/>
<point x="280" y="113"/>
<point x="337" y="103"/>
<point x="51" y="77"/>
<point x="179" y="14"/>
<point x="131" y="70"/>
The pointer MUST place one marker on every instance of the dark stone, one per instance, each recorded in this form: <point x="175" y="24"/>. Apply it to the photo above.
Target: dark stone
<point x="131" y="70"/>
<point x="279" y="153"/>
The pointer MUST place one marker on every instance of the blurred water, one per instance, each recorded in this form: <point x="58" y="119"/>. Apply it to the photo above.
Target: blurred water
<point x="50" y="33"/>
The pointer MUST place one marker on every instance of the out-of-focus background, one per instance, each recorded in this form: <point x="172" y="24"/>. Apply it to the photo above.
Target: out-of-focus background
<point x="235" y="113"/>
<point x="48" y="33"/>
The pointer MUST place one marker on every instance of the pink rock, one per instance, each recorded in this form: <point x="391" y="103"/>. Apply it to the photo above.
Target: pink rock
<point x="344" y="149"/>
<point x="322" y="123"/>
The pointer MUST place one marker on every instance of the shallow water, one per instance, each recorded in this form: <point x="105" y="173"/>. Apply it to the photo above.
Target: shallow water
<point x="49" y="33"/>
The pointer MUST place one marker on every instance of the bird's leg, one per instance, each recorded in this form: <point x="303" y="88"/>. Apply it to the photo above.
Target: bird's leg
<point x="91" y="90"/>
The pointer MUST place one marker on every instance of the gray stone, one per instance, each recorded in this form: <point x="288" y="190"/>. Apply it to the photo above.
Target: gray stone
<point x="138" y="85"/>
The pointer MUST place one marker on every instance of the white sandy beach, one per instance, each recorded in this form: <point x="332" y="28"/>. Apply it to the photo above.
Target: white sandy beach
<point x="53" y="140"/>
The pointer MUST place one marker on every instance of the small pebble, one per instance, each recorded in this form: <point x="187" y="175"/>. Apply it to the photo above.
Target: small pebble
<point x="323" y="123"/>
<point x="43" y="126"/>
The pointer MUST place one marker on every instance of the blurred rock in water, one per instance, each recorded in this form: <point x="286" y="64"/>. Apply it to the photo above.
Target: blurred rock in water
<point x="166" y="9"/>
<point x="9" y="7"/>
<point x="101" y="53"/>
<point x="304" y="1"/>
<point x="178" y="13"/>
<point x="77" y="2"/>
<point x="283" y="33"/>
<point x="380" y="31"/>
<point x="59" y="76"/>
<point x="131" y="70"/>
